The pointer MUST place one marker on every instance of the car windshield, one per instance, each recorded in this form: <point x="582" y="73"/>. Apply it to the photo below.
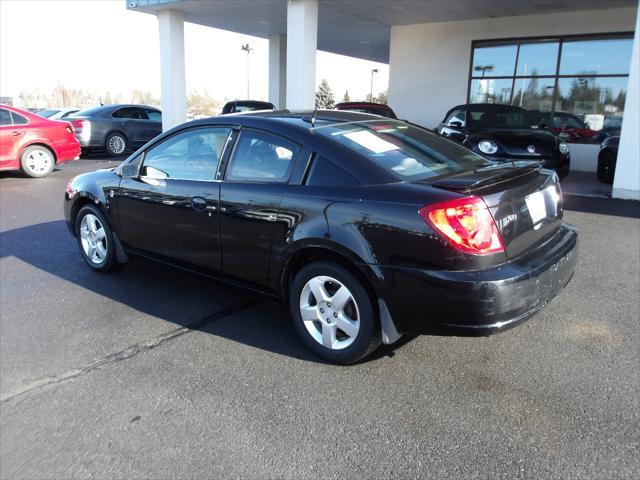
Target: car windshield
<point x="88" y="112"/>
<point x="405" y="151"/>
<point x="47" y="113"/>
<point x="500" y="118"/>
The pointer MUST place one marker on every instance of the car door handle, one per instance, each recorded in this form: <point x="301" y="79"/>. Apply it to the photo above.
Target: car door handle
<point x="15" y="134"/>
<point x="198" y="204"/>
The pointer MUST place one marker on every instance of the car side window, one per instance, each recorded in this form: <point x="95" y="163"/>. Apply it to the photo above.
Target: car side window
<point x="19" y="119"/>
<point x="5" y="117"/>
<point x="190" y="155"/>
<point x="261" y="157"/>
<point x="128" y="112"/>
<point x="457" y="116"/>
<point x="154" y="115"/>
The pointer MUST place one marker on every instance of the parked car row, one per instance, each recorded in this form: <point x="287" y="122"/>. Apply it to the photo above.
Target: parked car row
<point x="500" y="132"/>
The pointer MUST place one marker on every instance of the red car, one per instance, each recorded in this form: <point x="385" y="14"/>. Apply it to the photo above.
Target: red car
<point x="34" y="144"/>
<point x="367" y="107"/>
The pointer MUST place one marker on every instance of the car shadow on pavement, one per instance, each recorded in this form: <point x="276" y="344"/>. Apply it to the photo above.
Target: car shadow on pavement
<point x="602" y="206"/>
<point x="163" y="292"/>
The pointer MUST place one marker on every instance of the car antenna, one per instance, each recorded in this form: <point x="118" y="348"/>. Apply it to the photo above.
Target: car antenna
<point x="312" y="120"/>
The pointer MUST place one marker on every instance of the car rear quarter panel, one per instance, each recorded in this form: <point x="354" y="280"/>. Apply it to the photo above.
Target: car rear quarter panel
<point x="373" y="227"/>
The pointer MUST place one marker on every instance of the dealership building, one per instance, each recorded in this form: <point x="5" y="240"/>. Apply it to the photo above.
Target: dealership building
<point x="574" y="56"/>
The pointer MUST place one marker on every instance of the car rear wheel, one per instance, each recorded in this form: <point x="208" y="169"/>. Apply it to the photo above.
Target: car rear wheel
<point x="95" y="239"/>
<point x="116" y="144"/>
<point x="37" y="161"/>
<point x="333" y="313"/>
<point x="606" y="167"/>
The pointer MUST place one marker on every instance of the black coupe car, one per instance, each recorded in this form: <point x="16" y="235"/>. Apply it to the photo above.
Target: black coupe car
<point x="115" y="128"/>
<point x="505" y="133"/>
<point x="366" y="227"/>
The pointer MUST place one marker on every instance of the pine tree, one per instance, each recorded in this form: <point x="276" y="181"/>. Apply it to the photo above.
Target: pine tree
<point x="346" y="97"/>
<point x="383" y="97"/>
<point x="324" y="95"/>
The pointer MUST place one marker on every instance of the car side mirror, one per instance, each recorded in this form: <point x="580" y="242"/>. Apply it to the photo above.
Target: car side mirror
<point x="129" y="170"/>
<point x="455" y="124"/>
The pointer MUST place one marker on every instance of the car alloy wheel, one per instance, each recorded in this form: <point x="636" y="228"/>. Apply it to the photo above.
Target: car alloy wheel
<point x="37" y="161"/>
<point x="116" y="144"/>
<point x="94" y="239"/>
<point x="329" y="312"/>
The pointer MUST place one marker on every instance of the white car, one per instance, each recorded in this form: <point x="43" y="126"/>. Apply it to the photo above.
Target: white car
<point x="57" y="113"/>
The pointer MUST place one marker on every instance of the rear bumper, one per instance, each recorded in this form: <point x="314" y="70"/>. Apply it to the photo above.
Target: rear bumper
<point x="67" y="151"/>
<point x="483" y="301"/>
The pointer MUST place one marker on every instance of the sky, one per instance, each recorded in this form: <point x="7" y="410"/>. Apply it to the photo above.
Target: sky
<point x="100" y="45"/>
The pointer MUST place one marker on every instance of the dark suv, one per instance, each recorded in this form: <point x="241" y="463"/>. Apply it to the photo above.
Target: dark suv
<point x="116" y="128"/>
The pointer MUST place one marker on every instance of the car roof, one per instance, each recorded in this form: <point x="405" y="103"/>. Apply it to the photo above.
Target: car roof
<point x="300" y="127"/>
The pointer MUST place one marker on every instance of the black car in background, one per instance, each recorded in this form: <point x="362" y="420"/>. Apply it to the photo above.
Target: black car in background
<point x="505" y="133"/>
<point x="366" y="227"/>
<point x="237" y="106"/>
<point x="116" y="128"/>
<point x="367" y="107"/>
<point x="607" y="158"/>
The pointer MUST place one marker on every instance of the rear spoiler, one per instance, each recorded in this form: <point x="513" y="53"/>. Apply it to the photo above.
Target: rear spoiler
<point x="488" y="175"/>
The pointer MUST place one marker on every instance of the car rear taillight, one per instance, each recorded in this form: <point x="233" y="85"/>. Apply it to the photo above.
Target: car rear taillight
<point x="466" y="223"/>
<point x="78" y="125"/>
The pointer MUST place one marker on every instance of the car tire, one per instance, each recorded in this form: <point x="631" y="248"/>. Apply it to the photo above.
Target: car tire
<point x="95" y="239"/>
<point x="321" y="309"/>
<point x="37" y="161"/>
<point x="606" y="167"/>
<point x="115" y="144"/>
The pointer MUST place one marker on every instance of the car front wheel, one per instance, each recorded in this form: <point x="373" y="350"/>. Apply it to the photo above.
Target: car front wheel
<point x="37" y="161"/>
<point x="333" y="313"/>
<point x="95" y="239"/>
<point x="116" y="144"/>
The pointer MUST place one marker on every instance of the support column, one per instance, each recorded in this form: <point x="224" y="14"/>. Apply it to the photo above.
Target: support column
<point x="278" y="70"/>
<point x="626" y="183"/>
<point x="302" y="41"/>
<point x="173" y="90"/>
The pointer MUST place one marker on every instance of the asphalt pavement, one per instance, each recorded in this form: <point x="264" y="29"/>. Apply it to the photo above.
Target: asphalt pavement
<point x="152" y="372"/>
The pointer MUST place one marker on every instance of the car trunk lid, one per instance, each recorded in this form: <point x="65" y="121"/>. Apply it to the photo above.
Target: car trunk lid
<point x="525" y="202"/>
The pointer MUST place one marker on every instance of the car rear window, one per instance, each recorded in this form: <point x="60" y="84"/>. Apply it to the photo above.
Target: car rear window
<point x="405" y="151"/>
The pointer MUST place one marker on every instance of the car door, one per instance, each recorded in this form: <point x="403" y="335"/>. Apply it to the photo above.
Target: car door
<point x="170" y="208"/>
<point x="13" y="129"/>
<point x="253" y="185"/>
<point x="130" y="121"/>
<point x="154" y="125"/>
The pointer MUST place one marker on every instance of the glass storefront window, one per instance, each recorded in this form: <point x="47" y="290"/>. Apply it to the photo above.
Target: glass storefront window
<point x="596" y="57"/>
<point x="598" y="100"/>
<point x="494" y="61"/>
<point x="563" y="81"/>
<point x="537" y="59"/>
<point x="490" y="90"/>
<point x="534" y="93"/>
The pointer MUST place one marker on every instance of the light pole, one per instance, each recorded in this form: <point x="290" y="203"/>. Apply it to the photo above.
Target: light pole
<point x="373" y="70"/>
<point x="483" y="69"/>
<point x="247" y="49"/>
